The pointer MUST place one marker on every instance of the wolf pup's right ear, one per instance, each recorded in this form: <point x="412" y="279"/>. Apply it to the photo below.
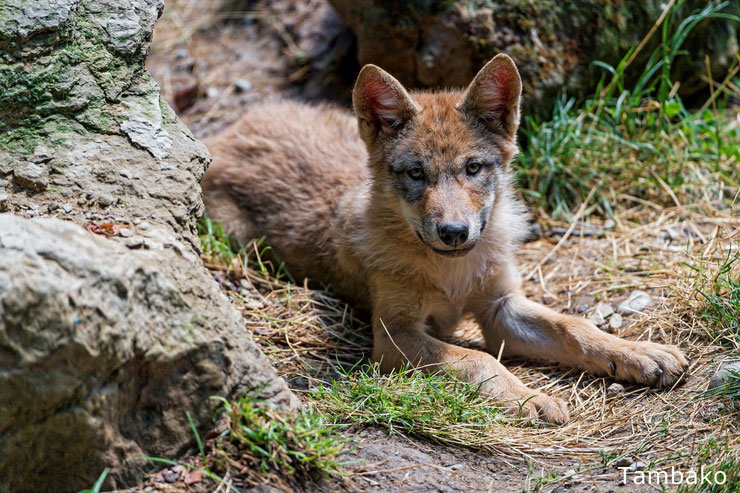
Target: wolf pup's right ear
<point x="382" y="105"/>
<point x="493" y="96"/>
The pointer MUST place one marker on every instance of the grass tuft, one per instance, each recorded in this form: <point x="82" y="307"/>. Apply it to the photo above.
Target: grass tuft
<point x="635" y="141"/>
<point x="262" y="436"/>
<point x="222" y="249"/>
<point x="437" y="406"/>
<point x="722" y="307"/>
<point x="720" y="457"/>
<point x="717" y="285"/>
<point x="217" y="246"/>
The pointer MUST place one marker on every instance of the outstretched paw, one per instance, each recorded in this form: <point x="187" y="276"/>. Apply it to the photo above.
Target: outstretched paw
<point x="649" y="363"/>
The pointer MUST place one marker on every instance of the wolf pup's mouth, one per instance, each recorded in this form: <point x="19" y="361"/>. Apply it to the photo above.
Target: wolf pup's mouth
<point x="457" y="252"/>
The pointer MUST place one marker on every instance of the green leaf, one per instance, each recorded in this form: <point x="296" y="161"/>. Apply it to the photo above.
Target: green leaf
<point x="672" y="108"/>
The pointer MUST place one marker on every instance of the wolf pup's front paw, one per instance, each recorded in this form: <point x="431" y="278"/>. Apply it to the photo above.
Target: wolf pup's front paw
<point x="539" y="407"/>
<point x="649" y="363"/>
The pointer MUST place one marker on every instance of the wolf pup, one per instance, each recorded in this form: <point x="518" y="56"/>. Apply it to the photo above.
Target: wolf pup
<point x="421" y="225"/>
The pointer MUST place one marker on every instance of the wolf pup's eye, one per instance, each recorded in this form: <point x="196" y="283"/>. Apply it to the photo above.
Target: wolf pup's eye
<point x="473" y="168"/>
<point x="415" y="173"/>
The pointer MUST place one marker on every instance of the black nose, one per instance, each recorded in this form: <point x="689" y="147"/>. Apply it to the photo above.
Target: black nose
<point x="453" y="234"/>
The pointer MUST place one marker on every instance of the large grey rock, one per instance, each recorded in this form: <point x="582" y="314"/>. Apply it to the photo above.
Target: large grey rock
<point x="105" y="343"/>
<point x="104" y="350"/>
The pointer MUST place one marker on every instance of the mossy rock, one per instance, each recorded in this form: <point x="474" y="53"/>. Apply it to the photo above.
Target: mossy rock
<point x="428" y="43"/>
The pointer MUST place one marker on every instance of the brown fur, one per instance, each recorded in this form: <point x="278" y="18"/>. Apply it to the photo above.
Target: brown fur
<point x="369" y="221"/>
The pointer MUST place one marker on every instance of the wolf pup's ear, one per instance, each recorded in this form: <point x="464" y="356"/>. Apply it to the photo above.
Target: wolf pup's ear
<point x="381" y="103"/>
<point x="493" y="96"/>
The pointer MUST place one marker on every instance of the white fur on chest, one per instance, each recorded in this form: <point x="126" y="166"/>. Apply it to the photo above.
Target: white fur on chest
<point x="458" y="277"/>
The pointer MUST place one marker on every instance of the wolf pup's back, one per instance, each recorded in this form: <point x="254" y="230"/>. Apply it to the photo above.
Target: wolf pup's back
<point x="279" y="173"/>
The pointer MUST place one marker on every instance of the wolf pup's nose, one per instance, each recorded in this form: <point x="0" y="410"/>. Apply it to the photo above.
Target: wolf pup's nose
<point x="453" y="234"/>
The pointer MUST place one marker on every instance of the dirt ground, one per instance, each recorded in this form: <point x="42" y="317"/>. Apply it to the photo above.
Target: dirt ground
<point x="212" y="63"/>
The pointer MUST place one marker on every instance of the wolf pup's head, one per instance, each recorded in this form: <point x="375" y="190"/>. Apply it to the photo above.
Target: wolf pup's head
<point x="441" y="158"/>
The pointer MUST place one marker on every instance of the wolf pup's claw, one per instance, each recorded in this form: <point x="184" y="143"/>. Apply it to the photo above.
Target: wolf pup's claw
<point x="652" y="364"/>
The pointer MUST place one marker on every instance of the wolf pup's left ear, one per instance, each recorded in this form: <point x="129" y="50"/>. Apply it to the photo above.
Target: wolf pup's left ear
<point x="493" y="96"/>
<point x="381" y="103"/>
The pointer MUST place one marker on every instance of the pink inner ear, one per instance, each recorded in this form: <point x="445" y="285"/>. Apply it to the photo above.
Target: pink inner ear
<point x="382" y="101"/>
<point x="495" y="94"/>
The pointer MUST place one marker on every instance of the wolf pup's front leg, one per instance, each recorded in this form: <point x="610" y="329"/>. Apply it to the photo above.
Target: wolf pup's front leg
<point x="400" y="337"/>
<point x="530" y="329"/>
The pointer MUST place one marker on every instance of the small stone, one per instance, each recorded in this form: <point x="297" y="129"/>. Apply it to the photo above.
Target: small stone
<point x="602" y="312"/>
<point x="125" y="232"/>
<point x="4" y="197"/>
<point x="31" y="176"/>
<point x="81" y="201"/>
<point x="125" y="173"/>
<point x="582" y="308"/>
<point x="610" y="224"/>
<point x="254" y="304"/>
<point x="52" y="207"/>
<point x="67" y="208"/>
<point x="136" y="221"/>
<point x="106" y="200"/>
<point x="170" y="476"/>
<point x="637" y="466"/>
<point x="243" y="85"/>
<point x="624" y="462"/>
<point x="614" y="390"/>
<point x="636" y="302"/>
<point x="212" y="92"/>
<point x="181" y="54"/>
<point x="144" y="225"/>
<point x="671" y="234"/>
<point x="136" y="243"/>
<point x="724" y="374"/>
<point x="570" y="476"/>
<point x="615" y="322"/>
